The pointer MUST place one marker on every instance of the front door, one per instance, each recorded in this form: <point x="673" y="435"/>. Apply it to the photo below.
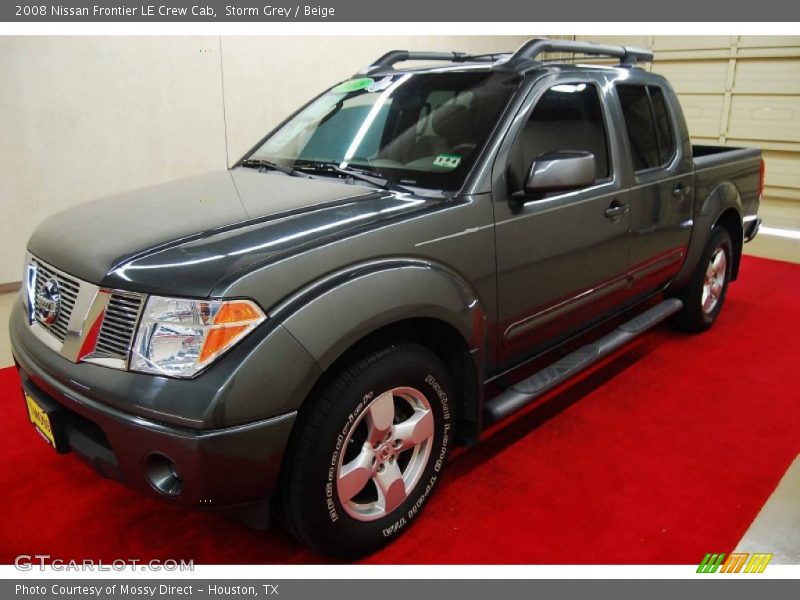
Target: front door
<point x="562" y="258"/>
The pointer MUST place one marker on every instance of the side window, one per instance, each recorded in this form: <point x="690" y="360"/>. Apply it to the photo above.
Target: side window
<point x="648" y="125"/>
<point x="666" y="141"/>
<point x="640" y="125"/>
<point x="566" y="117"/>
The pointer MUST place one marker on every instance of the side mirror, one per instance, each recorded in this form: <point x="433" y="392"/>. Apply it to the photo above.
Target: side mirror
<point x="559" y="172"/>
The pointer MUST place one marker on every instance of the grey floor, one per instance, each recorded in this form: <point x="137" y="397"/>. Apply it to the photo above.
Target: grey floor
<point x="776" y="529"/>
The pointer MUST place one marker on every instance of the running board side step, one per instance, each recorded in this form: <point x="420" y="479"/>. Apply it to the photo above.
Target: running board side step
<point x="526" y="391"/>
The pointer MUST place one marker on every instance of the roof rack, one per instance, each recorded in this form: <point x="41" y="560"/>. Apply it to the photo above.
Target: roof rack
<point x="530" y="50"/>
<point x="388" y="60"/>
<point x="521" y="60"/>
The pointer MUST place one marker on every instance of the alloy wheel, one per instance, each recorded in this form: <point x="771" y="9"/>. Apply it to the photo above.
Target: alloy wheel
<point x="385" y="453"/>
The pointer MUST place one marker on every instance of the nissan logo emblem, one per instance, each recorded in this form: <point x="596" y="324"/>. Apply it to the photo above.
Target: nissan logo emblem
<point x="48" y="302"/>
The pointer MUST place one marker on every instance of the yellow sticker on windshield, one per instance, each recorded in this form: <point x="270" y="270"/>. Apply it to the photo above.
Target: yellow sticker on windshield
<point x="447" y="161"/>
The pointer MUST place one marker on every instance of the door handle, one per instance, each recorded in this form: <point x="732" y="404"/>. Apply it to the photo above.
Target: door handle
<point x="615" y="210"/>
<point x="681" y="190"/>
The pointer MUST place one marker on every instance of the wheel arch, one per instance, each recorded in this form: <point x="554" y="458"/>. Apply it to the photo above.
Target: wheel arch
<point x="373" y="306"/>
<point x="721" y="206"/>
<point x="731" y="220"/>
<point x="445" y="342"/>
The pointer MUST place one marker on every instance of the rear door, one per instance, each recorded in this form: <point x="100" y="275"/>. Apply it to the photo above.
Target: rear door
<point x="562" y="258"/>
<point x="661" y="194"/>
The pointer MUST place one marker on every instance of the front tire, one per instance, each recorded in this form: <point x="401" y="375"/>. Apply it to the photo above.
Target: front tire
<point x="367" y="452"/>
<point x="705" y="293"/>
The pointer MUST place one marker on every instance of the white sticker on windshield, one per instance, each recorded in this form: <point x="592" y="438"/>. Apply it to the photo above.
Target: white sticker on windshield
<point x="447" y="161"/>
<point x="380" y="85"/>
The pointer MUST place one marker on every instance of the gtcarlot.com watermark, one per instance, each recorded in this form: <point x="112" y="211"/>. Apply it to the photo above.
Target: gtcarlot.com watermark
<point x="42" y="562"/>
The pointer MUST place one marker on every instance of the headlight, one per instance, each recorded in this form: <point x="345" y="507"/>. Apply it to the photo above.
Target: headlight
<point x="179" y="337"/>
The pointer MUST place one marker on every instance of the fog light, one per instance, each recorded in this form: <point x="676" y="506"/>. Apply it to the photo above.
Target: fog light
<point x="163" y="474"/>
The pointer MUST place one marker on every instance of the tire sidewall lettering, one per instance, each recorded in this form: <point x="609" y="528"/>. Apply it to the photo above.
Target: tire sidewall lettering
<point x="436" y="395"/>
<point x="330" y="485"/>
<point x="415" y="508"/>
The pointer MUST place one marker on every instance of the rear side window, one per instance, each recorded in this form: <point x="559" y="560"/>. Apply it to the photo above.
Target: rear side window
<point x="648" y="125"/>
<point x="666" y="142"/>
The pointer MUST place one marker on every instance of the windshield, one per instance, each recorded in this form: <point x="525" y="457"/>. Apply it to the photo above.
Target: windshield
<point x="415" y="129"/>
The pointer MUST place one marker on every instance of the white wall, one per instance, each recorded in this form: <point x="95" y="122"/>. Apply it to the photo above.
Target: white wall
<point x="87" y="116"/>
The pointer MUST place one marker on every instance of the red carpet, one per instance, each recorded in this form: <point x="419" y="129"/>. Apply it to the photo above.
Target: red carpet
<point x="666" y="454"/>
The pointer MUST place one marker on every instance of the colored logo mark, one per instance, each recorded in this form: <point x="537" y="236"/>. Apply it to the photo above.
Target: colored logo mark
<point x="737" y="562"/>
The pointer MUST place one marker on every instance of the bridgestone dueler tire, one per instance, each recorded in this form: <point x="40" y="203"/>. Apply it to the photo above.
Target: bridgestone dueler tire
<point x="306" y="501"/>
<point x="691" y="317"/>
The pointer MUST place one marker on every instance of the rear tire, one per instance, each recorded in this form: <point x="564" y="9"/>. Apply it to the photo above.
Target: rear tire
<point x="367" y="452"/>
<point x="704" y="295"/>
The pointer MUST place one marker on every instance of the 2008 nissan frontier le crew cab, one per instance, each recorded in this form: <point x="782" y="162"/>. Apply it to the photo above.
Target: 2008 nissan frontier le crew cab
<point x="310" y="332"/>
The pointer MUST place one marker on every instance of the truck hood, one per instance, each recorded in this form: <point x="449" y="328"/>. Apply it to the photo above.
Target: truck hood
<point x="184" y="236"/>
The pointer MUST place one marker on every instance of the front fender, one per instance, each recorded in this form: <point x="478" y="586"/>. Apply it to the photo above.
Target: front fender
<point x="332" y="314"/>
<point x="716" y="201"/>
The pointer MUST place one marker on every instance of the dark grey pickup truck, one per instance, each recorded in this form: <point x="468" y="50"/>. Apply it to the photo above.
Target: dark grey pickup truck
<point x="309" y="333"/>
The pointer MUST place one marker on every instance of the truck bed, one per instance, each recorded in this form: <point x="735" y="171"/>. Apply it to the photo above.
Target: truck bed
<point x="716" y="165"/>
<point x="709" y="156"/>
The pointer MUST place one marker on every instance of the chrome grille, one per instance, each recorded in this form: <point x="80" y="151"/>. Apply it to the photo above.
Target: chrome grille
<point x="119" y="325"/>
<point x="81" y="305"/>
<point x="68" y="290"/>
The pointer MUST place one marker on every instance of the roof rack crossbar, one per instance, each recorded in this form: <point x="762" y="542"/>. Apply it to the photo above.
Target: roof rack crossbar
<point x="521" y="60"/>
<point x="531" y="49"/>
<point x="391" y="58"/>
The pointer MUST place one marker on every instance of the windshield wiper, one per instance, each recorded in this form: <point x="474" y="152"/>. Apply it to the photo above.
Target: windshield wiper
<point x="353" y="173"/>
<point x="268" y="165"/>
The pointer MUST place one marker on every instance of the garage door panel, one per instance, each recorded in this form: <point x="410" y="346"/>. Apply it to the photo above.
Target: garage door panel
<point x="639" y="41"/>
<point x="691" y="55"/>
<point x="769" y="53"/>
<point x="776" y="76"/>
<point x="694" y="77"/>
<point x="769" y="41"/>
<point x="691" y="42"/>
<point x="780" y="193"/>
<point x="765" y="117"/>
<point x="703" y="113"/>
<point x="764" y="144"/>
<point x="699" y="140"/>
<point x="782" y="168"/>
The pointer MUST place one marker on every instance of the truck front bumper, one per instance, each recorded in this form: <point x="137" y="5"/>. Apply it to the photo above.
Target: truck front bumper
<point x="208" y="468"/>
